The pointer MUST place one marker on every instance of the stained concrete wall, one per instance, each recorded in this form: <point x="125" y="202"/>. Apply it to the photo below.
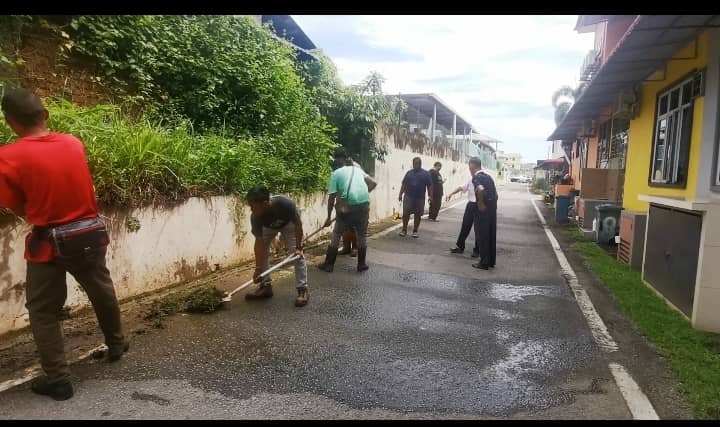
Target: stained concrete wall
<point x="183" y="242"/>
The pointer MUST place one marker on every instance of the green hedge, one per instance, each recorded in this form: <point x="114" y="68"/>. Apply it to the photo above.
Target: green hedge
<point x="137" y="163"/>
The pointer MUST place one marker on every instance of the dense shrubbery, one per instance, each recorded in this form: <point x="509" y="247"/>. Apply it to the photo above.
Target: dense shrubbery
<point x="205" y="105"/>
<point x="136" y="163"/>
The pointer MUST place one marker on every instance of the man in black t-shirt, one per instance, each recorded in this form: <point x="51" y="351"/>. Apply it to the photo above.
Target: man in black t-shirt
<point x="270" y="216"/>
<point x="437" y="192"/>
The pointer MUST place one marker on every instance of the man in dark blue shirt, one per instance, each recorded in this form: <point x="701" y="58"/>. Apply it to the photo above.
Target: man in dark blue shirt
<point x="486" y="214"/>
<point x="416" y="181"/>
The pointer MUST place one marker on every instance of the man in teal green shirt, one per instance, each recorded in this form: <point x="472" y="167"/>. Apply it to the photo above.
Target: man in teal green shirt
<point x="349" y="192"/>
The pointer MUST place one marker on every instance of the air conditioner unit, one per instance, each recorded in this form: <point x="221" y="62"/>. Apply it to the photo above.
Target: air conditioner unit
<point x="588" y="128"/>
<point x="628" y="106"/>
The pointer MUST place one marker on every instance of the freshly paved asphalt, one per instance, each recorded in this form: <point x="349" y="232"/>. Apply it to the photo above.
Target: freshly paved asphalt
<point x="422" y="334"/>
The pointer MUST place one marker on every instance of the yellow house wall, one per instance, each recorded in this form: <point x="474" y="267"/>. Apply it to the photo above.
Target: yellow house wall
<point x="640" y="138"/>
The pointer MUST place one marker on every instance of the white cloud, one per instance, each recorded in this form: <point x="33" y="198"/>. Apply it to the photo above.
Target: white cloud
<point x="483" y="66"/>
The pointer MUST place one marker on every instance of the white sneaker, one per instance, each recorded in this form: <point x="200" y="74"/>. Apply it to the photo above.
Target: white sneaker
<point x="415" y="234"/>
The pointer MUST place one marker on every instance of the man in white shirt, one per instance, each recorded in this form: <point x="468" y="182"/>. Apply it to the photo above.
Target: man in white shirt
<point x="468" y="218"/>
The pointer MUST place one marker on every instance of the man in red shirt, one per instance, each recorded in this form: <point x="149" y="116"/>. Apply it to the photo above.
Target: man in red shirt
<point x="45" y="178"/>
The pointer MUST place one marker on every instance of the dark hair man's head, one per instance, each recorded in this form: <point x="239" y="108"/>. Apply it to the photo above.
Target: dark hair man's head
<point x="24" y="112"/>
<point x="259" y="199"/>
<point x="437" y="166"/>
<point x="342" y="158"/>
<point x="417" y="163"/>
<point x="341" y="153"/>
<point x="337" y="164"/>
<point x="475" y="164"/>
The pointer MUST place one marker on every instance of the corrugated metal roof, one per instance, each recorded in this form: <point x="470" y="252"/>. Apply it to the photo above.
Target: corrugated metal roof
<point x="585" y="21"/>
<point x="648" y="44"/>
<point x="545" y="164"/>
<point x="424" y="102"/>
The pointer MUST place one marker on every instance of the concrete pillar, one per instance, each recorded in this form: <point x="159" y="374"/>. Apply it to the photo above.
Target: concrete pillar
<point x="434" y="120"/>
<point x="453" y="130"/>
<point x="470" y="138"/>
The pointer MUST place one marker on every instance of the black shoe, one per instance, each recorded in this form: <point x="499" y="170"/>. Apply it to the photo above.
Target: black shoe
<point x="481" y="266"/>
<point x="61" y="390"/>
<point x="116" y="353"/>
<point x="456" y="250"/>
<point x="362" y="265"/>
<point x="329" y="264"/>
<point x="475" y="254"/>
<point x="302" y="298"/>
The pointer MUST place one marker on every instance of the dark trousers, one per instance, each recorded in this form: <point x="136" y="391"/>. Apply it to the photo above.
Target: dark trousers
<point x="467" y="225"/>
<point x="435" y="204"/>
<point x="485" y="234"/>
<point x="46" y="293"/>
<point x="356" y="221"/>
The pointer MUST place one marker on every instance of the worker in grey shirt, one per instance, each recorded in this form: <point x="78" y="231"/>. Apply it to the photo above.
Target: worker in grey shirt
<point x="270" y="216"/>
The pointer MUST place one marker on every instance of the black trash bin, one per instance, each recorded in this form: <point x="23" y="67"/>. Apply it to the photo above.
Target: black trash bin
<point x="607" y="223"/>
<point x="562" y="206"/>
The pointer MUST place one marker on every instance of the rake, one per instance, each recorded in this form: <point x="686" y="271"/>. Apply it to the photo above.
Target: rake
<point x="282" y="263"/>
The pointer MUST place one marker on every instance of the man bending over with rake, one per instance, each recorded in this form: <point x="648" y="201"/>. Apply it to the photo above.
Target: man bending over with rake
<point x="270" y="216"/>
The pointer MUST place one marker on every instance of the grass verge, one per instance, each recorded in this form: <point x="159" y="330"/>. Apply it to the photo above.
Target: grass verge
<point x="694" y="356"/>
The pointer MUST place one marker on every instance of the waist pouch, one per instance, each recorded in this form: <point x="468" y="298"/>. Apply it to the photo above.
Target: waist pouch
<point x="79" y="237"/>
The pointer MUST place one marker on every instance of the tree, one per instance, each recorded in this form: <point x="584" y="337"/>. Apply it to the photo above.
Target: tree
<point x="372" y="84"/>
<point x="562" y="100"/>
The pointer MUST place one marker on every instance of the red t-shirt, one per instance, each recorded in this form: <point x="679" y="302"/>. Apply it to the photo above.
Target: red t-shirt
<point x="49" y="178"/>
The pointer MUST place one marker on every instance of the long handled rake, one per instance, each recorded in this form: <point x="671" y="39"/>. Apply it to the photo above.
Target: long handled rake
<point x="282" y="263"/>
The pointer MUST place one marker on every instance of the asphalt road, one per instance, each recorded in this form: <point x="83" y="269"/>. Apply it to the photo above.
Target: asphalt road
<point x="422" y="334"/>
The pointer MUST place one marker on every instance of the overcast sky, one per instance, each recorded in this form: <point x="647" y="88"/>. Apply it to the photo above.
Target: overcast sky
<point x="498" y="72"/>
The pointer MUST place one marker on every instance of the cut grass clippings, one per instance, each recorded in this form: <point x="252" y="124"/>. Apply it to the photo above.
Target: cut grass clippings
<point x="693" y="355"/>
<point x="202" y="300"/>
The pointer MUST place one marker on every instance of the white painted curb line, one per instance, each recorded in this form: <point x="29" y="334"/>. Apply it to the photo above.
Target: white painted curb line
<point x="35" y="371"/>
<point x="637" y="402"/>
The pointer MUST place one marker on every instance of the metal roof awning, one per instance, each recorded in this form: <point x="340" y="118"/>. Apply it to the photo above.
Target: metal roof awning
<point x="289" y="31"/>
<point x="648" y="44"/>
<point x="486" y="144"/>
<point x="285" y="25"/>
<point x="585" y="21"/>
<point x="424" y="103"/>
<point x="551" y="163"/>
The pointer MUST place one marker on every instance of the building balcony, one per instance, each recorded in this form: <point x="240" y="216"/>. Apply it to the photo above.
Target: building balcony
<point x="590" y="65"/>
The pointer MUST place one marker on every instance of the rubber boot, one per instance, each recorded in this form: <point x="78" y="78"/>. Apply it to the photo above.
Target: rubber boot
<point x="330" y="258"/>
<point x="362" y="265"/>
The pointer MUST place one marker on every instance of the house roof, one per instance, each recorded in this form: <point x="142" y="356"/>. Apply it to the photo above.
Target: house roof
<point x="424" y="102"/>
<point x="286" y="28"/>
<point x="550" y="163"/>
<point x="585" y="23"/>
<point x="650" y="41"/>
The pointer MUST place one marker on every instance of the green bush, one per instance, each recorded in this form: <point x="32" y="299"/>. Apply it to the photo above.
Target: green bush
<point x="353" y="111"/>
<point x="221" y="72"/>
<point x="206" y="105"/>
<point x="540" y="184"/>
<point x="137" y="163"/>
